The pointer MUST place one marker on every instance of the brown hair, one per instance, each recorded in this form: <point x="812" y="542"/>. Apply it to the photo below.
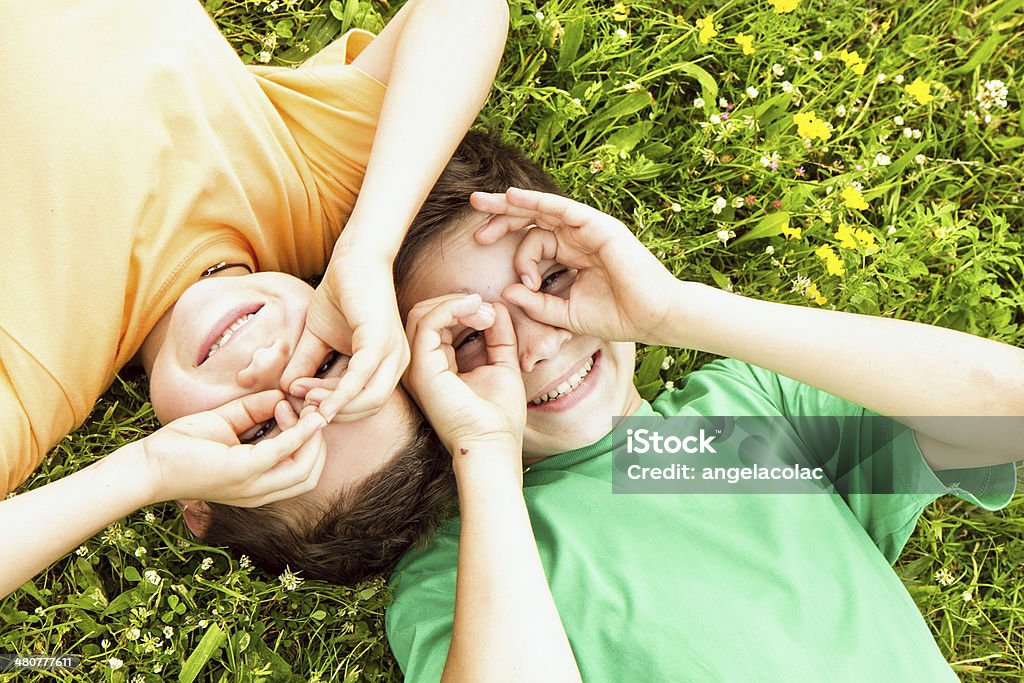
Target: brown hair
<point x="482" y="162"/>
<point x="364" y="532"/>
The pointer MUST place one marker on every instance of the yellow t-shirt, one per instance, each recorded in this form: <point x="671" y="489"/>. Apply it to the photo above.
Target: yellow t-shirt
<point x="138" y="151"/>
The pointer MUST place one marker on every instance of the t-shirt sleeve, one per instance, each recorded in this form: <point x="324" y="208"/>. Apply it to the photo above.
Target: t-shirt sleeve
<point x="331" y="109"/>
<point x="419" y="621"/>
<point x="872" y="461"/>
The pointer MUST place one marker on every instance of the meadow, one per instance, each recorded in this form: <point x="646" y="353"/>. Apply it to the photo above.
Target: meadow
<point x="867" y="157"/>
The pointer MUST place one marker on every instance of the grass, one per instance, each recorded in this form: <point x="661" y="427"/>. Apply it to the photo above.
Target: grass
<point x="633" y="113"/>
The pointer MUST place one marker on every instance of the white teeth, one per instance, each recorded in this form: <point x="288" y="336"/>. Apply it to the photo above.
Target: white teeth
<point x="568" y="385"/>
<point x="232" y="328"/>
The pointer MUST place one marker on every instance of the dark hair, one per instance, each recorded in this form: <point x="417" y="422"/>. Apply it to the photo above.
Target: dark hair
<point x="364" y="532"/>
<point x="482" y="162"/>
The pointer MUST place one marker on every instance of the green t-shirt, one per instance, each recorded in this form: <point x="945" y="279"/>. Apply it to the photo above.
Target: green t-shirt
<point x="719" y="587"/>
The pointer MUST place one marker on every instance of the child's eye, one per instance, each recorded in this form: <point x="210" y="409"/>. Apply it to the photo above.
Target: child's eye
<point x="328" y="363"/>
<point x="259" y="432"/>
<point x="558" y="281"/>
<point x="470" y="352"/>
<point x="471" y="338"/>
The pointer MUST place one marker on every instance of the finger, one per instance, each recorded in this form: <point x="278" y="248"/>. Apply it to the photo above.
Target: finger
<point x="309" y="353"/>
<point x="500" y="225"/>
<point x="552" y="206"/>
<point x="244" y="413"/>
<point x="537" y="246"/>
<point x="301" y="387"/>
<point x="546" y="308"/>
<point x="502" y="345"/>
<point x="270" y="451"/>
<point x="285" y="415"/>
<point x="377" y="391"/>
<point x="293" y="476"/>
<point x="422" y="308"/>
<point x="360" y="368"/>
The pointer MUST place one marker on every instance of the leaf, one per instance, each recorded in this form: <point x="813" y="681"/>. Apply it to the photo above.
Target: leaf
<point x="319" y="615"/>
<point x="981" y="55"/>
<point x="132" y="574"/>
<point x="650" y="368"/>
<point x="771" y="225"/>
<point x="621" y="106"/>
<point x="721" y="281"/>
<point x="210" y="643"/>
<point x="570" y="44"/>
<point x="708" y="86"/>
<point x="1003" y="142"/>
<point x="628" y="138"/>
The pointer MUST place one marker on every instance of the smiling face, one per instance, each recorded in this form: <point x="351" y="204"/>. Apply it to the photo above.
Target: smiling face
<point x="227" y="337"/>
<point x="574" y="384"/>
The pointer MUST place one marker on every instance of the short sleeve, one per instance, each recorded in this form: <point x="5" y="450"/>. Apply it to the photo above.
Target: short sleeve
<point x="419" y="621"/>
<point x="331" y="110"/>
<point x="872" y="461"/>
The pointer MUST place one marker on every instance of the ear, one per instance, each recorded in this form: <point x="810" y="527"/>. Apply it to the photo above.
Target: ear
<point x="197" y="516"/>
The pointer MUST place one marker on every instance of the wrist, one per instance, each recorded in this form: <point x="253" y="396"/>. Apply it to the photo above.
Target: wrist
<point x="130" y="463"/>
<point x="692" y="314"/>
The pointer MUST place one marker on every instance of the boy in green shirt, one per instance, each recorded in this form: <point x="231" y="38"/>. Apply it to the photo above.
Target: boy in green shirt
<point x="527" y="362"/>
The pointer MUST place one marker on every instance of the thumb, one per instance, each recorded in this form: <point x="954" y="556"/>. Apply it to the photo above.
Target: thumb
<point x="546" y="308"/>
<point x="307" y="356"/>
<point x="246" y="412"/>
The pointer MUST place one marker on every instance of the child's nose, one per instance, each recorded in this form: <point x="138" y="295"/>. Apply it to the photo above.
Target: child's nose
<point x="264" y="371"/>
<point x="537" y="341"/>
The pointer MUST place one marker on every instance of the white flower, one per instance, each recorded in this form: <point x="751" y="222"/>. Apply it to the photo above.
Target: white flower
<point x="880" y="78"/>
<point x="698" y="103"/>
<point x="908" y="132"/>
<point x="719" y="204"/>
<point x="82" y="551"/>
<point x="769" y="250"/>
<point x="723" y="103"/>
<point x="676" y="208"/>
<point x="140" y="551"/>
<point x="967" y="596"/>
<point x="882" y="159"/>
<point x="206" y="564"/>
<point x="134" y="633"/>
<point x="818" y="56"/>
<point x="289" y="580"/>
<point x="737" y="202"/>
<point x="263" y="57"/>
<point x="800" y="285"/>
<point x="38" y="610"/>
<point x="898" y="120"/>
<point x="202" y="623"/>
<point x="539" y="15"/>
<point x="992" y="93"/>
<point x="152" y="576"/>
<point x="168" y="632"/>
<point x="786" y="86"/>
<point x="715" y="119"/>
<point x="621" y="33"/>
<point x="104" y="643"/>
<point x="891" y="230"/>
<point x="752" y="92"/>
<point x="244" y="562"/>
<point x="115" y="663"/>
<point x="841" y="110"/>
<point x="667" y="363"/>
<point x="920" y="159"/>
<point x="157" y="668"/>
<point x="150" y="517"/>
<point x="898" y="79"/>
<point x="725" y="235"/>
<point x="670" y="385"/>
<point x="778" y="69"/>
<point x="917" y="134"/>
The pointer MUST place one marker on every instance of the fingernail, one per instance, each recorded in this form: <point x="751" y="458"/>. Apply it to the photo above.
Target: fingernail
<point x="487" y="310"/>
<point x="526" y="281"/>
<point x="298" y="389"/>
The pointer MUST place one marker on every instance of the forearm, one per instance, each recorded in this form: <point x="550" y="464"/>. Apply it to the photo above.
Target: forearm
<point x="442" y="69"/>
<point x="39" y="527"/>
<point x="506" y="627"/>
<point x="893" y="367"/>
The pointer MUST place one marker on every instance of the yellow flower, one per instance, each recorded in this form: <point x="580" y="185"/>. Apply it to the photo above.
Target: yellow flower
<point x="784" y="6"/>
<point x="791" y="233"/>
<point x="853" y="198"/>
<point x="854" y="238"/>
<point x="620" y="12"/>
<point x="814" y="295"/>
<point x="919" y="90"/>
<point x="833" y="263"/>
<point x="808" y="125"/>
<point x="853" y="61"/>
<point x="746" y="42"/>
<point x="708" y="29"/>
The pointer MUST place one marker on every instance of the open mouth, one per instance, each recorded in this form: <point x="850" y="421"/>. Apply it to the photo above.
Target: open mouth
<point x="568" y="385"/>
<point x="225" y="329"/>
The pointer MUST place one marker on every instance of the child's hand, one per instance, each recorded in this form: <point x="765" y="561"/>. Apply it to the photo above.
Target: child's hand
<point x="621" y="290"/>
<point x="481" y="410"/>
<point x="353" y="311"/>
<point x="201" y="456"/>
